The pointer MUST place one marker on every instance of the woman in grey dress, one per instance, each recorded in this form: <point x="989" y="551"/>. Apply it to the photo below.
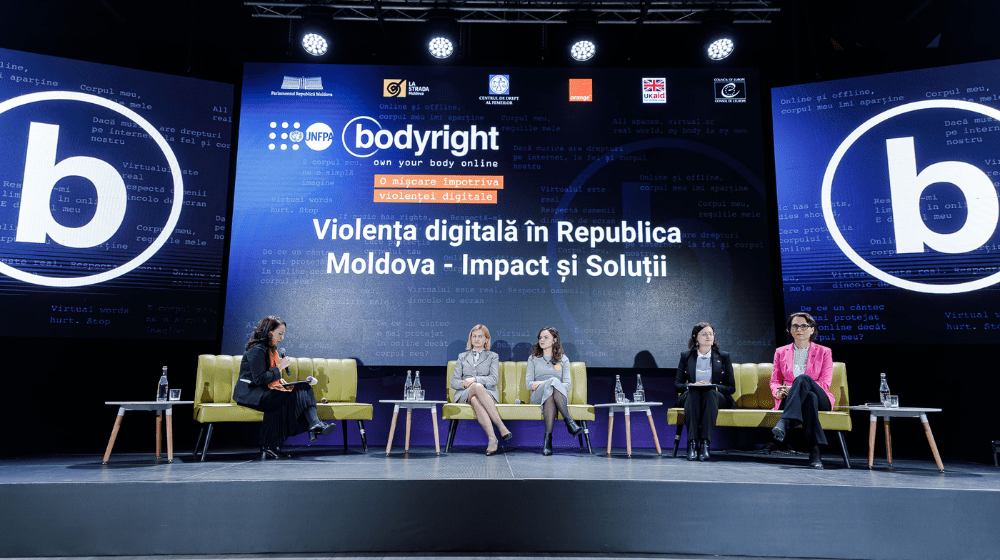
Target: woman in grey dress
<point x="548" y="378"/>
<point x="475" y="382"/>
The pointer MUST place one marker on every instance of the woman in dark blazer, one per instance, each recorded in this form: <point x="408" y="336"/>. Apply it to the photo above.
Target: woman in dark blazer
<point x="477" y="371"/>
<point x="287" y="410"/>
<point x="706" y="383"/>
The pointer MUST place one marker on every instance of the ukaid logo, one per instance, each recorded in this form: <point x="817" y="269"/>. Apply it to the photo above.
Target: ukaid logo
<point x="364" y="136"/>
<point x="730" y="90"/>
<point x="654" y="90"/>
<point x="100" y="190"/>
<point x="908" y="196"/>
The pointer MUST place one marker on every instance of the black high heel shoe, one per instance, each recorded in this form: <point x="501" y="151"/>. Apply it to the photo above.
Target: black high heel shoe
<point x="508" y="437"/>
<point x="547" y="445"/>
<point x="268" y="453"/>
<point x="573" y="428"/>
<point x="321" y="429"/>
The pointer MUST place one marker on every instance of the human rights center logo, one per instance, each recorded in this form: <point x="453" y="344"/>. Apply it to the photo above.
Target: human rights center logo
<point x="393" y="88"/>
<point x="730" y="90"/>
<point x="500" y="84"/>
<point x="654" y="90"/>
<point x="581" y="90"/>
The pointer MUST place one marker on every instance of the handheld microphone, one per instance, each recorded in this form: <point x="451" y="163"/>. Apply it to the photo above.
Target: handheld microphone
<point x="281" y="354"/>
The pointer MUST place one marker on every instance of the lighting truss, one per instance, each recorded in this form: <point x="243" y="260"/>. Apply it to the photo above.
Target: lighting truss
<point x="553" y="12"/>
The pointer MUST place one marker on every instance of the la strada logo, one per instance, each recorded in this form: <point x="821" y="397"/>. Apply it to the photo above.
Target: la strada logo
<point x="581" y="90"/>
<point x="393" y="88"/>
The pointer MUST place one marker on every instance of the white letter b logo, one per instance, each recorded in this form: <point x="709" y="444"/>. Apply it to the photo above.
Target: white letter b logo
<point x="907" y="187"/>
<point x="41" y="173"/>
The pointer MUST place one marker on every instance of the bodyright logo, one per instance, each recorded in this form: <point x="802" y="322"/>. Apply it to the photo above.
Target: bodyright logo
<point x="43" y="171"/>
<point x="964" y="210"/>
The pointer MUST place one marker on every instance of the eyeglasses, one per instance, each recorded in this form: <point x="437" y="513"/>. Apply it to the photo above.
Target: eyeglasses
<point x="800" y="327"/>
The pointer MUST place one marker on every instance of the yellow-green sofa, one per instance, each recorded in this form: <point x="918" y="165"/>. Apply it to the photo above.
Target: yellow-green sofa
<point x="754" y="404"/>
<point x="511" y="388"/>
<point x="338" y="384"/>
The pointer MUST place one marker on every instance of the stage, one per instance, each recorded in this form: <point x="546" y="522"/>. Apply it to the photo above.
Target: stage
<point x="326" y="500"/>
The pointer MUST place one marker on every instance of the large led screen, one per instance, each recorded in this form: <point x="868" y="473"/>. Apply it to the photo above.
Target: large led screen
<point x="113" y="200"/>
<point x="383" y="211"/>
<point x="888" y="205"/>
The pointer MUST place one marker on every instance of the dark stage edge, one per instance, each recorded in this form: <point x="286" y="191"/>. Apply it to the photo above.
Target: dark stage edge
<point x="323" y="500"/>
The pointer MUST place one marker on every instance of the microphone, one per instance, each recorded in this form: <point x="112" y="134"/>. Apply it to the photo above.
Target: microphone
<point x="281" y="354"/>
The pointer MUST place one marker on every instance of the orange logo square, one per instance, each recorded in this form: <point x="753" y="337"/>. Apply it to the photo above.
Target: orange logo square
<point x="581" y="90"/>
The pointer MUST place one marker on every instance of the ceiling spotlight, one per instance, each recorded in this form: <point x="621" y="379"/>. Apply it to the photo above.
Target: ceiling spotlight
<point x="441" y="47"/>
<point x="720" y="48"/>
<point x="582" y="50"/>
<point x="315" y="44"/>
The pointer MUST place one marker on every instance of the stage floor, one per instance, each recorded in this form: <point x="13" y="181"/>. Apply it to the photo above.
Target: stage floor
<point x="741" y="504"/>
<point x="516" y="463"/>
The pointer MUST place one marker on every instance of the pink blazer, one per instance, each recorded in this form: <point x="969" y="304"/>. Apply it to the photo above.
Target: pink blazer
<point x="819" y="366"/>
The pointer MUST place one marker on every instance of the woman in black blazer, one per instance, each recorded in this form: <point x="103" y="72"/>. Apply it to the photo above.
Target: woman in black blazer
<point x="287" y="410"/>
<point x="706" y="383"/>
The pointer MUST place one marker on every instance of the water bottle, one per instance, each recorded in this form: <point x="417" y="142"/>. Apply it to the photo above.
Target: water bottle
<point x="408" y="387"/>
<point x="619" y="393"/>
<point x="162" y="388"/>
<point x="883" y="391"/>
<point x="640" y="393"/>
<point x="416" y="387"/>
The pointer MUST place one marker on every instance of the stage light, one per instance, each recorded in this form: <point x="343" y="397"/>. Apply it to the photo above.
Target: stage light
<point x="583" y="50"/>
<point x="441" y="47"/>
<point x="720" y="48"/>
<point x="315" y="44"/>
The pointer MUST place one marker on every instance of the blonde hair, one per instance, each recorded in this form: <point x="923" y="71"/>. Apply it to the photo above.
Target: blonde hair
<point x="486" y="331"/>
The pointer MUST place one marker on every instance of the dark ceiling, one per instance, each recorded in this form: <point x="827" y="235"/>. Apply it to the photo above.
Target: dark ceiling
<point x="807" y="40"/>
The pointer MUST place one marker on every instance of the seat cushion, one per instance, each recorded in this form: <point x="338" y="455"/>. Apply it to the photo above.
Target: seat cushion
<point x="455" y="411"/>
<point x="344" y="411"/>
<point x="219" y="412"/>
<point x="745" y="418"/>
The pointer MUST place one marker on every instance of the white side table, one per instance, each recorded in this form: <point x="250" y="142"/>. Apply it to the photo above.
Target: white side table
<point x="409" y="406"/>
<point x="161" y="408"/>
<point x="627" y="408"/>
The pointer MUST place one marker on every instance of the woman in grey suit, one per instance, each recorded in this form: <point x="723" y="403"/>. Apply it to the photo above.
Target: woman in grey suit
<point x="548" y="378"/>
<point x="475" y="382"/>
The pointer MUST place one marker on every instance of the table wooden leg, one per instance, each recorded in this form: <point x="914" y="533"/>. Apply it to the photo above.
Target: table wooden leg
<point x="434" y="421"/>
<point x="888" y="441"/>
<point x="409" y="416"/>
<point x="628" y="432"/>
<point x="170" y="435"/>
<point x="611" y="423"/>
<point x="871" y="441"/>
<point x="656" y="440"/>
<point x="392" y="428"/>
<point x="159" y="423"/>
<point x="114" y="434"/>
<point x="930" y="440"/>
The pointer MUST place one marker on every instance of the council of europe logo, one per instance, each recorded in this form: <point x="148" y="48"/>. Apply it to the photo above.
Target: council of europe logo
<point x="886" y="152"/>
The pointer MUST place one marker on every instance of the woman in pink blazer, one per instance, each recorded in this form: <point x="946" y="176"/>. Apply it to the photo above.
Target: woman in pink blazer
<point x="800" y="384"/>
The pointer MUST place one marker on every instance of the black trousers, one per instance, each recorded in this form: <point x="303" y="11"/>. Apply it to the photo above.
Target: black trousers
<point x="701" y="409"/>
<point x="285" y="414"/>
<point x="802" y="405"/>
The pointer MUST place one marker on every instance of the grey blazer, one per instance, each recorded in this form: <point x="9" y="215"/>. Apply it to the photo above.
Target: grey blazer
<point x="486" y="371"/>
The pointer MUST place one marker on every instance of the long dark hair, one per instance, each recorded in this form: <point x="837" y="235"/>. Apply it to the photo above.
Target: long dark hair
<point x="557" y="352"/>
<point x="263" y="329"/>
<point x="693" y="341"/>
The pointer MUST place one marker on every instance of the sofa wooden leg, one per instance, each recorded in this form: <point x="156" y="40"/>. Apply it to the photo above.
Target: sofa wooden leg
<point x="843" y="449"/>
<point x="197" y="442"/>
<point x="452" y="428"/>
<point x="364" y="440"/>
<point x="208" y="438"/>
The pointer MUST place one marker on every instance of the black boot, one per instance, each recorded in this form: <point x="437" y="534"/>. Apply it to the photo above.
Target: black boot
<point x="692" y="450"/>
<point x="321" y="429"/>
<point x="779" y="430"/>
<point x="814" y="458"/>
<point x="269" y="453"/>
<point x="547" y="445"/>
<point x="703" y="453"/>
<point x="573" y="428"/>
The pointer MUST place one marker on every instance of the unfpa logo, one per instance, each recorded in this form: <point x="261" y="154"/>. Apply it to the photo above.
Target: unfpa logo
<point x="909" y="178"/>
<point x="43" y="170"/>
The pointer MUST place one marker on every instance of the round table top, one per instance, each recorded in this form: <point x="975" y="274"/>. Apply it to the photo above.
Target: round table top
<point x="643" y="404"/>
